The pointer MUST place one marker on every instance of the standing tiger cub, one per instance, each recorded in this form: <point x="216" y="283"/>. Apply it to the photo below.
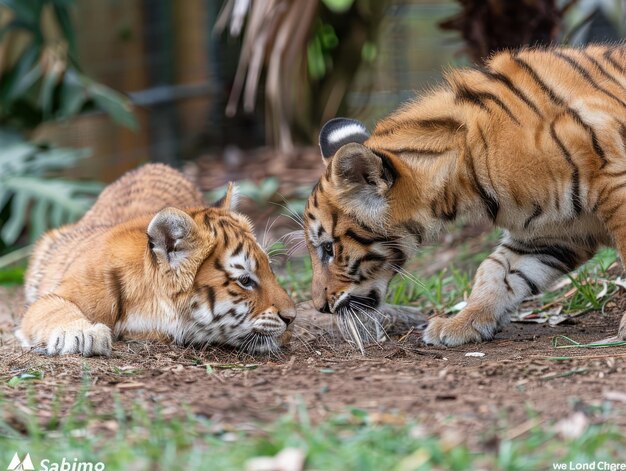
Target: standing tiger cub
<point x="535" y="142"/>
<point x="141" y="264"/>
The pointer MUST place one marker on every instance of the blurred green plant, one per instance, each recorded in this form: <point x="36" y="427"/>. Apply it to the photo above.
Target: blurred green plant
<point x="35" y="201"/>
<point x="41" y="81"/>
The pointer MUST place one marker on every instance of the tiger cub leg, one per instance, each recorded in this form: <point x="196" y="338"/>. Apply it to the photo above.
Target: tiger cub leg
<point x="613" y="213"/>
<point x="60" y="327"/>
<point x="511" y="273"/>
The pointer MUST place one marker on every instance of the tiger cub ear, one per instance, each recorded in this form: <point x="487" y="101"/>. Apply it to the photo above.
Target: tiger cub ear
<point x="230" y="200"/>
<point x="362" y="180"/>
<point x="171" y="236"/>
<point x="340" y="131"/>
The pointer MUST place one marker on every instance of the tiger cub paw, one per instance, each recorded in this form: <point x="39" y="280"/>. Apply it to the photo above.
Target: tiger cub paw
<point x="91" y="340"/>
<point x="459" y="330"/>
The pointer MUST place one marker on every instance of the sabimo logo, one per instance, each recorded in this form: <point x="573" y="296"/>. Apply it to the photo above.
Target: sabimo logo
<point x="26" y="464"/>
<point x="21" y="465"/>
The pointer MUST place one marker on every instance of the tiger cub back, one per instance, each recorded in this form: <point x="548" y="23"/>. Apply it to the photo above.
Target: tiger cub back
<point x="140" y="192"/>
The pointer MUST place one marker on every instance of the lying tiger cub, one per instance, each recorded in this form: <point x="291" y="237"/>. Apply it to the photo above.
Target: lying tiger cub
<point x="135" y="265"/>
<point x="535" y="142"/>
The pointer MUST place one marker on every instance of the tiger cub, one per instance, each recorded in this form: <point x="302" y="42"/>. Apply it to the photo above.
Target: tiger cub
<point x="138" y="264"/>
<point x="535" y="142"/>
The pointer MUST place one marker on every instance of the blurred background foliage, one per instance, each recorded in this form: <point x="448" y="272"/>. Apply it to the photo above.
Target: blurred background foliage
<point x="41" y="81"/>
<point x="231" y="90"/>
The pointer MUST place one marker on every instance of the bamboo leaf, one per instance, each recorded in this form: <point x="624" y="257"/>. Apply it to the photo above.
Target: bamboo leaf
<point x="15" y="225"/>
<point x="73" y="96"/>
<point x="50" y="81"/>
<point x="38" y="219"/>
<point x="22" y="76"/>
<point x="65" y="23"/>
<point x="114" y="104"/>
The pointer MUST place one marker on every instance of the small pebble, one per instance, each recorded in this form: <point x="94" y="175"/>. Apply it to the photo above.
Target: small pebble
<point x="474" y="354"/>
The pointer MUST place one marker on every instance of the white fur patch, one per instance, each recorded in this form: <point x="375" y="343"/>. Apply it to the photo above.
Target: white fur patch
<point x="340" y="134"/>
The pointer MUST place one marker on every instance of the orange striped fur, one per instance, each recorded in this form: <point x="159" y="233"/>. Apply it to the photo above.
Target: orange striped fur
<point x="134" y="266"/>
<point x="535" y="142"/>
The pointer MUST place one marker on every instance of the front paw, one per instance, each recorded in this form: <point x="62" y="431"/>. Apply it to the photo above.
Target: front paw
<point x="459" y="330"/>
<point x="88" y="341"/>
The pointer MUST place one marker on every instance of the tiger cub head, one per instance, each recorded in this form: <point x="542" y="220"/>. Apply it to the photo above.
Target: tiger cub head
<point x="353" y="221"/>
<point x="224" y="290"/>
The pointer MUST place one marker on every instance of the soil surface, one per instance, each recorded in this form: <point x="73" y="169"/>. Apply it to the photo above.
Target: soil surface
<point x="515" y="386"/>
<point x="480" y="399"/>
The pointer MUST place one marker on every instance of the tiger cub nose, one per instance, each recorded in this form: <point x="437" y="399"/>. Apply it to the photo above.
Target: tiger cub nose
<point x="287" y="315"/>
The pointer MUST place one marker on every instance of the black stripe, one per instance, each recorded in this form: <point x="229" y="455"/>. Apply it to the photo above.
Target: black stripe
<point x="373" y="257"/>
<point x="500" y="77"/>
<point x="592" y="134"/>
<point x="604" y="198"/>
<point x="398" y="258"/>
<point x="431" y="124"/>
<point x="602" y="70"/>
<point x="613" y="62"/>
<point x="547" y="90"/>
<point x="237" y="250"/>
<point x="363" y="240"/>
<point x="610" y="213"/>
<point x="585" y="74"/>
<point x="478" y="98"/>
<point x="486" y="146"/>
<point x="449" y="213"/>
<point x="354" y="268"/>
<point x="499" y="262"/>
<point x="447" y="122"/>
<point x="210" y="296"/>
<point x="536" y="213"/>
<point x="117" y="286"/>
<point x="576" y="203"/>
<point x="534" y="289"/>
<point x="219" y="267"/>
<point x="566" y="256"/>
<point x="506" y="272"/>
<point x="491" y="204"/>
<point x="416" y="230"/>
<point x="464" y="94"/>
<point x="621" y="173"/>
<point x="417" y="150"/>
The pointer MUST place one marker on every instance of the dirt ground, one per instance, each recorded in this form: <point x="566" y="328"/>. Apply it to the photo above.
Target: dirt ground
<point x="478" y="398"/>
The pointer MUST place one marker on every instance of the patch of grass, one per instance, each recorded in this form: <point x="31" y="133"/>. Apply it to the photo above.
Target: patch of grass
<point x="25" y="376"/>
<point x="138" y="439"/>
<point x="445" y="289"/>
<point x="296" y="277"/>
<point x="439" y="292"/>
<point x="12" y="275"/>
